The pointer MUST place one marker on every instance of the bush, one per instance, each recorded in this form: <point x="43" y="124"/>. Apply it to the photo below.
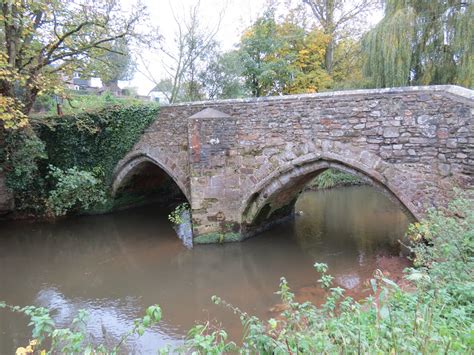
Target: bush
<point x="80" y="142"/>
<point x="74" y="190"/>
<point x="21" y="157"/>
<point x="96" y="139"/>
<point x="23" y="152"/>
<point x="74" y="339"/>
<point x="176" y="216"/>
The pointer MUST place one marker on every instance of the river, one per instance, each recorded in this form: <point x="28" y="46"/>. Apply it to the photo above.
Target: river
<point x="115" y="265"/>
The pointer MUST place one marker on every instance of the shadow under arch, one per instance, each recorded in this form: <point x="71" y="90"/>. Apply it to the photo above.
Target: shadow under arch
<point x="126" y="169"/>
<point x="273" y="199"/>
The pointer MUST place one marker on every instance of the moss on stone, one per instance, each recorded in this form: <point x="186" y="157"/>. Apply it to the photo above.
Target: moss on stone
<point x="216" y="237"/>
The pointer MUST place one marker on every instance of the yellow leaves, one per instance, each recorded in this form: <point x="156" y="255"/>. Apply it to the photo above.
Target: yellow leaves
<point x="248" y="33"/>
<point x="30" y="349"/>
<point x="418" y="232"/>
<point x="47" y="83"/>
<point x="11" y="113"/>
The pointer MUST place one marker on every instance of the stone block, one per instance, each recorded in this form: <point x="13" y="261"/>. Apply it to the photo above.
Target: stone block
<point x="391" y="132"/>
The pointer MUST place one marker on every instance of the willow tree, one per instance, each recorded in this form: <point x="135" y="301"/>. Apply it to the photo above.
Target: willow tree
<point x="421" y="42"/>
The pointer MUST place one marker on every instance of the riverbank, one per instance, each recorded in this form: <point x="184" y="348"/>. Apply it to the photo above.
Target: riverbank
<point x="332" y="178"/>
<point x="431" y="315"/>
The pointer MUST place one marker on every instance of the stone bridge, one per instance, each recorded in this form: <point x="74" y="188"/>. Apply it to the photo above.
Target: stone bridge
<point x="242" y="163"/>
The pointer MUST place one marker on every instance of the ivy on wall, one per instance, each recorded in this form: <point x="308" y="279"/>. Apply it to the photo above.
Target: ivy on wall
<point x="81" y="148"/>
<point x="96" y="139"/>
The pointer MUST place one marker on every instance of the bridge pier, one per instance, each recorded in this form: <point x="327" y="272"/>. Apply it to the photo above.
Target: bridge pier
<point x="214" y="177"/>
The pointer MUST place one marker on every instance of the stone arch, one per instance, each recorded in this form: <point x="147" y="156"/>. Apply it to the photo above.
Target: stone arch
<point x="126" y="167"/>
<point x="284" y="185"/>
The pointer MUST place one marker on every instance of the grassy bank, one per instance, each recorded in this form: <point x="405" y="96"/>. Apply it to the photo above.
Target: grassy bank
<point x="332" y="178"/>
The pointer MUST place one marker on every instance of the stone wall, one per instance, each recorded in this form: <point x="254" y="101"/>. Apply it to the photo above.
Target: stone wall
<point x="164" y="143"/>
<point x="243" y="163"/>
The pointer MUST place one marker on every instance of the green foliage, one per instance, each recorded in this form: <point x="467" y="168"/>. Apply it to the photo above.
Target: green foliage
<point x="74" y="339"/>
<point x="434" y="317"/>
<point x="222" y="78"/>
<point x="333" y="178"/>
<point x="288" y="57"/>
<point x="116" y="63"/>
<point x="21" y="157"/>
<point x="176" y="215"/>
<point x="23" y="150"/>
<point x="206" y="339"/>
<point x="82" y="150"/>
<point x="421" y="43"/>
<point x="84" y="102"/>
<point x="42" y="42"/>
<point x="96" y="139"/>
<point x="264" y="72"/>
<point x="74" y="189"/>
<point x="444" y="251"/>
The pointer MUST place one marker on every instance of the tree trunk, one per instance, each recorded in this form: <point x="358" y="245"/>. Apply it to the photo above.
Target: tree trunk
<point x="329" y="56"/>
<point x="330" y="30"/>
<point x="29" y="100"/>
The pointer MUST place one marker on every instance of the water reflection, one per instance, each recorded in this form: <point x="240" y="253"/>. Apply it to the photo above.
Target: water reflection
<point x="114" y="266"/>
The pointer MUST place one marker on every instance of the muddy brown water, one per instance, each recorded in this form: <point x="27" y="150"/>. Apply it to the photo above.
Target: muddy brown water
<point x="114" y="266"/>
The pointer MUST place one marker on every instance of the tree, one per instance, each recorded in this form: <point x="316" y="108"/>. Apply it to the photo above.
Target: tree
<point x="183" y="61"/>
<point x="265" y="72"/>
<point x="348" y="62"/>
<point x="422" y="42"/>
<point x="307" y="65"/>
<point x="44" y="41"/>
<point x="340" y="19"/>
<point x="115" y="64"/>
<point x="283" y="57"/>
<point x="222" y="77"/>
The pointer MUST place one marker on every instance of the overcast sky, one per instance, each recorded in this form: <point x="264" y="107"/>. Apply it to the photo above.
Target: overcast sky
<point x="237" y="15"/>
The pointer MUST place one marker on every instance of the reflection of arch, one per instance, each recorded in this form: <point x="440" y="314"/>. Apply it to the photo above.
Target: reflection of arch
<point x="126" y="168"/>
<point x="284" y="185"/>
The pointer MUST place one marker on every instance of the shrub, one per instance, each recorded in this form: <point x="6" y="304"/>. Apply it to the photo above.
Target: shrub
<point x="79" y="142"/>
<point x="21" y="157"/>
<point x="74" y="339"/>
<point x="74" y="190"/>
<point x="176" y="216"/>
<point x="96" y="139"/>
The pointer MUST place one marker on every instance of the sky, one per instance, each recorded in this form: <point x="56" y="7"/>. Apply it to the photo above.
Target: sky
<point x="236" y="16"/>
